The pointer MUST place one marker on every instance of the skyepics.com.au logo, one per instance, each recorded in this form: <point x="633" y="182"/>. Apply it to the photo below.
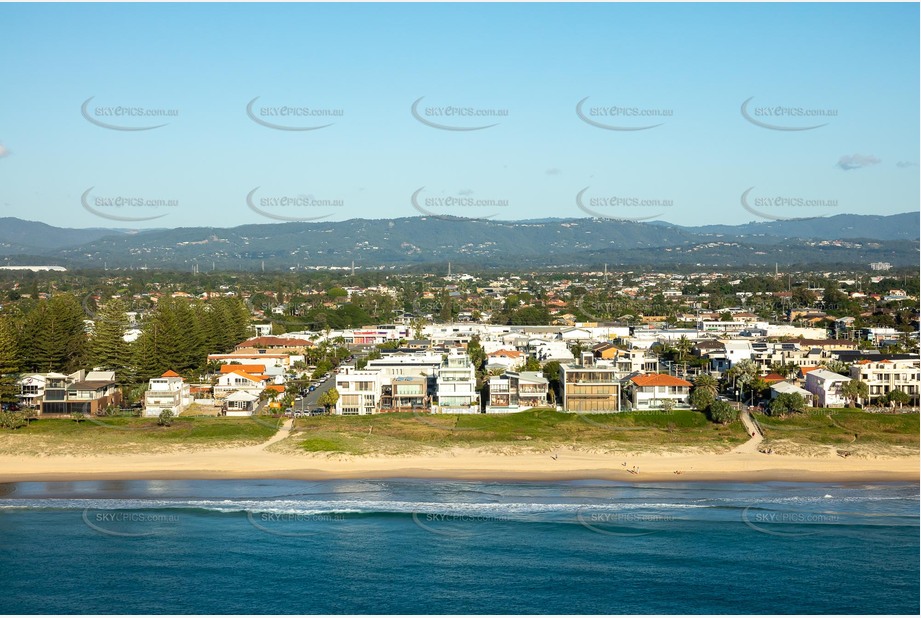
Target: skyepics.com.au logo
<point x="621" y="207"/>
<point x="771" y="207"/>
<point x="786" y="117"/>
<point x="457" y="117"/>
<point x="293" y="117"/>
<point x="622" y="522"/>
<point x="597" y="308"/>
<point x="126" y="117"/>
<point x="129" y="523"/>
<point x="768" y="520"/>
<point x="464" y="205"/>
<point x="292" y="208"/>
<point x="117" y="207"/>
<point x="295" y="524"/>
<point x="464" y="525"/>
<point x="622" y="117"/>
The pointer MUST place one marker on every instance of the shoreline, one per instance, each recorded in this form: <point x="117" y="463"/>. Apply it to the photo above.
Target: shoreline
<point x="250" y="463"/>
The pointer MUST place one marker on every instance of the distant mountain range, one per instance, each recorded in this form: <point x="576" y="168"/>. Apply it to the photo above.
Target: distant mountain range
<point x="844" y="240"/>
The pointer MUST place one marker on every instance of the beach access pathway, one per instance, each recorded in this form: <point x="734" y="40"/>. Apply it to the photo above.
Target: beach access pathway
<point x="753" y="430"/>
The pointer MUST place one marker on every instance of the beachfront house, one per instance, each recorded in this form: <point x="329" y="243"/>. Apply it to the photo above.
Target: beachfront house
<point x="169" y="393"/>
<point x="590" y="385"/>
<point x="359" y="390"/>
<point x="80" y="392"/>
<point x="456" y="385"/>
<point x="404" y="393"/>
<point x="788" y="388"/>
<point x="516" y="391"/>
<point x="32" y="388"/>
<point x="651" y="391"/>
<point x="236" y="380"/>
<point x="240" y="403"/>
<point x="826" y="386"/>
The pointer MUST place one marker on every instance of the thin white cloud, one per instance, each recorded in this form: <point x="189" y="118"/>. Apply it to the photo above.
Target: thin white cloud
<point x="856" y="161"/>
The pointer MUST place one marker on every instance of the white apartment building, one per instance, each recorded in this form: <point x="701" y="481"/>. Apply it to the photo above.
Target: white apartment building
<point x="359" y="390"/>
<point x="885" y="376"/>
<point x="456" y="385"/>
<point x="732" y="327"/>
<point x="405" y="364"/>
<point x="635" y="360"/>
<point x="826" y="387"/>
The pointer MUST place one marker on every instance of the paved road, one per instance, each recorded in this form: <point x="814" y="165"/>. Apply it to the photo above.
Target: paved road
<point x="310" y="401"/>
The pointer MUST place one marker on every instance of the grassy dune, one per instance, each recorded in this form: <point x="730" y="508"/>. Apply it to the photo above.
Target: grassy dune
<point x="406" y="432"/>
<point x="846" y="429"/>
<point x="112" y="435"/>
<point x="817" y="432"/>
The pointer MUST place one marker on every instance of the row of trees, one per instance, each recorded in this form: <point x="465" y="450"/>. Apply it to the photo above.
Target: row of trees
<point x="178" y="335"/>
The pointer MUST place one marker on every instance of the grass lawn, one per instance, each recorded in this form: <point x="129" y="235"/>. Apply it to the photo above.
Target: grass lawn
<point x="98" y="435"/>
<point x="842" y="427"/>
<point x="405" y="432"/>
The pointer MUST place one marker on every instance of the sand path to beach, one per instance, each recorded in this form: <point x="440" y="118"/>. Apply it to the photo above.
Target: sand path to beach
<point x="756" y="436"/>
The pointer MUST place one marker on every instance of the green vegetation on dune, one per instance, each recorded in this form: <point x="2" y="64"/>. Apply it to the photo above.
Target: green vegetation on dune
<point x="406" y="432"/>
<point x="842" y="426"/>
<point x="131" y="435"/>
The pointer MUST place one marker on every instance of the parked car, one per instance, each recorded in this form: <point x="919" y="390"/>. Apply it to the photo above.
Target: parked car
<point x="318" y="412"/>
<point x="312" y="388"/>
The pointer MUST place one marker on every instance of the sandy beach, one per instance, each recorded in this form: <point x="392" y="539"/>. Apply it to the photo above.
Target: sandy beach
<point x="260" y="461"/>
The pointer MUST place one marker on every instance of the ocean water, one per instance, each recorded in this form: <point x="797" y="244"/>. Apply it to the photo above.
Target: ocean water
<point x="435" y="547"/>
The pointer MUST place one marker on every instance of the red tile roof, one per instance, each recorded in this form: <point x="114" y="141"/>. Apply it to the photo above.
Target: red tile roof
<point x="508" y="353"/>
<point x="658" y="379"/>
<point x="254" y="369"/>
<point x="170" y="374"/>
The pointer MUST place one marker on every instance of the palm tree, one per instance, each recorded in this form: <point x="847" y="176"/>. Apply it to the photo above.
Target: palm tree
<point x="784" y="369"/>
<point x="707" y="383"/>
<point x="683" y="346"/>
<point x="855" y="390"/>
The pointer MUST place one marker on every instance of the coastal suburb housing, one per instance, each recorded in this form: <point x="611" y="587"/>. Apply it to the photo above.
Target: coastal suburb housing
<point x="469" y="365"/>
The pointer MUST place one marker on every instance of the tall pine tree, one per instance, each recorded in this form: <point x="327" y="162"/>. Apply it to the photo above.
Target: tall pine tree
<point x="53" y="337"/>
<point x="9" y="361"/>
<point x="108" y="350"/>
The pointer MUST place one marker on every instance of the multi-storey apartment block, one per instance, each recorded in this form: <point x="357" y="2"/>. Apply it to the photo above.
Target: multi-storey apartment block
<point x="590" y="386"/>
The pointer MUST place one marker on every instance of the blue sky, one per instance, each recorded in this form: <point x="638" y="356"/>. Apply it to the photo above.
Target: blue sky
<point x="690" y="66"/>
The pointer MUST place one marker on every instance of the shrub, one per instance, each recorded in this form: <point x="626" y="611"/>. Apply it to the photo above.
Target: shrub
<point x="787" y="403"/>
<point x="12" y="420"/>
<point x="722" y="412"/>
